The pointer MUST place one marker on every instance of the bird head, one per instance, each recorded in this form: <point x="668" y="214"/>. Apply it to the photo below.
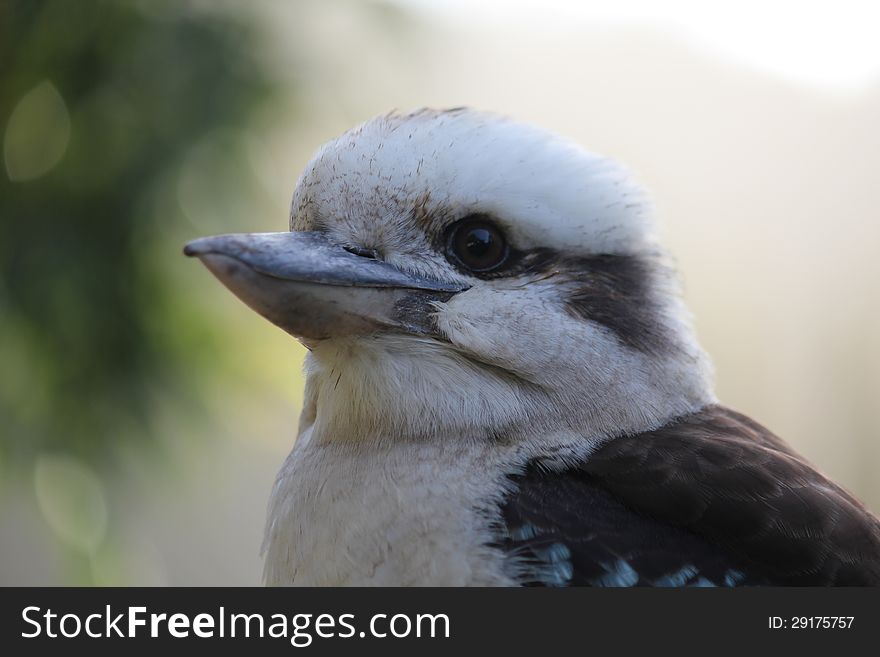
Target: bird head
<point x="458" y="272"/>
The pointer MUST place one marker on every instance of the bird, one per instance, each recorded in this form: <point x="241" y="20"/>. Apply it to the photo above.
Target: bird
<point x="504" y="386"/>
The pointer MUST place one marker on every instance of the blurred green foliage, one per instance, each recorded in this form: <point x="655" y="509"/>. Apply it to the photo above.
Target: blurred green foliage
<point x="100" y="103"/>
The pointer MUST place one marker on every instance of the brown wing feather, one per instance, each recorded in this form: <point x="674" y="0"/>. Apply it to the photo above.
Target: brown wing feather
<point x="726" y="478"/>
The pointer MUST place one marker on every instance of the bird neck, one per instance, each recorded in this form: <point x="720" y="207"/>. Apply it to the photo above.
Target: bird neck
<point x="392" y="388"/>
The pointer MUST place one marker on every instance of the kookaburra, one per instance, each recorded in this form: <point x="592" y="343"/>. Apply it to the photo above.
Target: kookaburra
<point x="503" y="385"/>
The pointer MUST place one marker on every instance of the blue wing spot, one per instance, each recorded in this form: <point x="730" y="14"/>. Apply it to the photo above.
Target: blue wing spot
<point x="679" y="578"/>
<point x="558" y="569"/>
<point x="556" y="553"/>
<point x="524" y="533"/>
<point x="618" y="573"/>
<point x="733" y="577"/>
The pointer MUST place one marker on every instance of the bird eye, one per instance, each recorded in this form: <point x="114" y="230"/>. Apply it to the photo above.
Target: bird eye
<point x="477" y="244"/>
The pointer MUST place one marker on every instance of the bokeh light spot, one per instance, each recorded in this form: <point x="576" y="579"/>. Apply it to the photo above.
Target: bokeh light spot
<point x="72" y="500"/>
<point x="37" y="133"/>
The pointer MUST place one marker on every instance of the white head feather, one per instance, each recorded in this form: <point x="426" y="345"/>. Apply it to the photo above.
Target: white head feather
<point x="514" y="360"/>
<point x="406" y="440"/>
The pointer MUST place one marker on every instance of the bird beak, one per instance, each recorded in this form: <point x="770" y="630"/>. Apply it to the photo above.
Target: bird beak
<point x="315" y="289"/>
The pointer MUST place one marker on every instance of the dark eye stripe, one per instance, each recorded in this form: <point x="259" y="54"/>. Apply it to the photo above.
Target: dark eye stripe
<point x="618" y="292"/>
<point x="614" y="290"/>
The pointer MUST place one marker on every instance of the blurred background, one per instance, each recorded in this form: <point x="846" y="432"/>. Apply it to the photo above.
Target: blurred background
<point x="144" y="411"/>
